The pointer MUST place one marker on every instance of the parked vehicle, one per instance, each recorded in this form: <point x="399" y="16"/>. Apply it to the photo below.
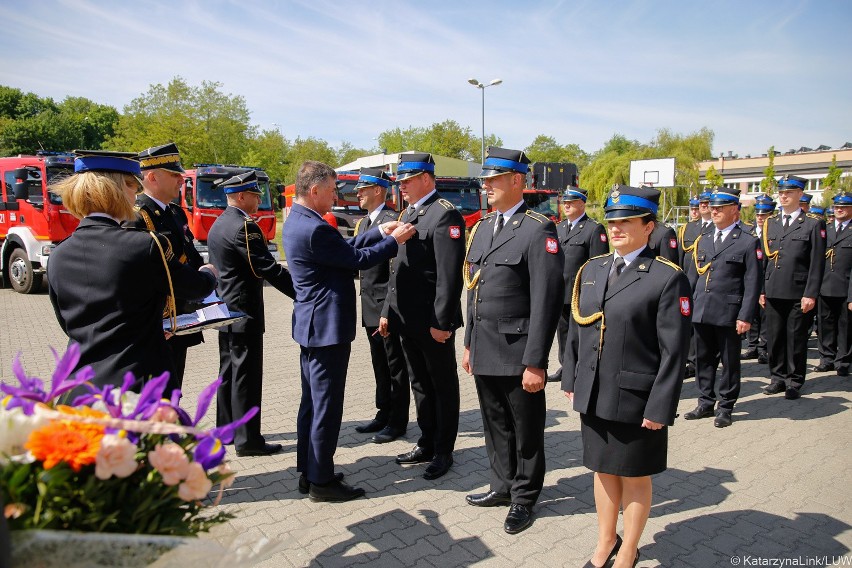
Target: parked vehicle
<point x="32" y="218"/>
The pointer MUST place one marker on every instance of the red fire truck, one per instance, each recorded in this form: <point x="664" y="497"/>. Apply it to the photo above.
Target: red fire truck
<point x="32" y="218"/>
<point x="203" y="203"/>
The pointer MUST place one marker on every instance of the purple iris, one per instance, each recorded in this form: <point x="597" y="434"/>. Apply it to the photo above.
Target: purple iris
<point x="209" y="452"/>
<point x="32" y="389"/>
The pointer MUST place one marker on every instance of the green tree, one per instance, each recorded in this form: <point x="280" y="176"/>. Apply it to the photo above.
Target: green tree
<point x="206" y="124"/>
<point x="446" y="138"/>
<point x="304" y="149"/>
<point x="713" y="178"/>
<point x="831" y="182"/>
<point x="546" y="149"/>
<point x="268" y="150"/>
<point x="346" y="153"/>
<point x="769" y="183"/>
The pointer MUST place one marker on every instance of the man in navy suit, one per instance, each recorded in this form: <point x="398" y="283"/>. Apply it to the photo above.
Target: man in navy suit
<point x="321" y="263"/>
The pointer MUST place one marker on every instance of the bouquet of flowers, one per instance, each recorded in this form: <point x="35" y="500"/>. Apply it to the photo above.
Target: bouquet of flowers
<point x="112" y="460"/>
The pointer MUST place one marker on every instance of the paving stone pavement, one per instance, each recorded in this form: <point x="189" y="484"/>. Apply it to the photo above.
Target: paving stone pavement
<point x="775" y="485"/>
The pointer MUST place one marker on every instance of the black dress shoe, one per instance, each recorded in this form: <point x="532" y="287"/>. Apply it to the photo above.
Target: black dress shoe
<point x="690" y="371"/>
<point x="723" y="419"/>
<point x="555" y="376"/>
<point x="842" y="372"/>
<point x="615" y="548"/>
<point x="388" y="434"/>
<point x="490" y="499"/>
<point x="763" y="358"/>
<point x="750" y="354"/>
<point x="518" y="519"/>
<point x="305" y="485"/>
<point x="266" y="450"/>
<point x="699" y="412"/>
<point x="774" y="388"/>
<point x="792" y="393"/>
<point x="823" y="367"/>
<point x="439" y="466"/>
<point x="374" y="425"/>
<point x="335" y="492"/>
<point x="416" y="455"/>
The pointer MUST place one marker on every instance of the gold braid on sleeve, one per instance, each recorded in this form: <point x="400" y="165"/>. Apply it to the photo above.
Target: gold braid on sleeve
<point x="700" y="269"/>
<point x="468" y="281"/>
<point x="248" y="250"/>
<point x="586" y="320"/>
<point x="170" y="310"/>
<point x="769" y="254"/>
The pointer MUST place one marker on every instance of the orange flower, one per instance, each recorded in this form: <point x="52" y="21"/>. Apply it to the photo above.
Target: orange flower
<point x="69" y="441"/>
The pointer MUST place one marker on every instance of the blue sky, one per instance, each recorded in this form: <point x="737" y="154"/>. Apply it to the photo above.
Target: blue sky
<point x="758" y="73"/>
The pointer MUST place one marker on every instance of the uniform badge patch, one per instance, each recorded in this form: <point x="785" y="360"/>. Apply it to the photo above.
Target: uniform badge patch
<point x="673" y="243"/>
<point x="551" y="245"/>
<point x="603" y="237"/>
<point x="822" y="233"/>
<point x="455" y="232"/>
<point x="684" y="306"/>
<point x="759" y="254"/>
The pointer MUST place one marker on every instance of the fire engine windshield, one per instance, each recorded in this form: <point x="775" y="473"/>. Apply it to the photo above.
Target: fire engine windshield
<point x="545" y="203"/>
<point x="55" y="174"/>
<point x="209" y="197"/>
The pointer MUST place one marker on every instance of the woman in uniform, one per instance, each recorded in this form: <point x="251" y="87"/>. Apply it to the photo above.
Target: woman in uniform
<point x="109" y="285"/>
<point x="624" y="368"/>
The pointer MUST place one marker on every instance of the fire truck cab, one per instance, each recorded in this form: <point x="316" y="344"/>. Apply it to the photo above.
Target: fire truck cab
<point x="32" y="218"/>
<point x="203" y="202"/>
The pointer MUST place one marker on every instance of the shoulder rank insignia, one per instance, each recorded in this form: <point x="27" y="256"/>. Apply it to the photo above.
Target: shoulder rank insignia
<point x="537" y="216"/>
<point x="668" y="263"/>
<point x="447" y="204"/>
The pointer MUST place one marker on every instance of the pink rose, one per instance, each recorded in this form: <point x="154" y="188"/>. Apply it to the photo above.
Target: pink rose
<point x="165" y="414"/>
<point x="197" y="485"/>
<point x="117" y="456"/>
<point x="171" y="461"/>
<point x="231" y="475"/>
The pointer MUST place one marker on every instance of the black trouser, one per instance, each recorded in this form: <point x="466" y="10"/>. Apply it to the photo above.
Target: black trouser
<point x="241" y="369"/>
<point x="712" y="344"/>
<point x="513" y="421"/>
<point x="787" y="341"/>
<point x="757" y="333"/>
<point x="393" y="394"/>
<point x="834" y="332"/>
<point x="562" y="328"/>
<point x="435" y="382"/>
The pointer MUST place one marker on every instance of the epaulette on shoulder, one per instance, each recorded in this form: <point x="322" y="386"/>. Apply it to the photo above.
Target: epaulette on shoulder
<point x="669" y="263"/>
<point x="137" y="208"/>
<point x="815" y="216"/>
<point x="447" y="204"/>
<point x="489" y="215"/>
<point x="537" y="216"/>
<point x="775" y="215"/>
<point x="600" y="255"/>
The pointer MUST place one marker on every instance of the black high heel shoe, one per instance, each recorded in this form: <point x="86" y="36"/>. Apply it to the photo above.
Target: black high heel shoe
<point x="636" y="560"/>
<point x="610" y="556"/>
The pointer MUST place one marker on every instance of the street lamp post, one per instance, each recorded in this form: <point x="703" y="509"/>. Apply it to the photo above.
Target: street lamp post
<point x="482" y="86"/>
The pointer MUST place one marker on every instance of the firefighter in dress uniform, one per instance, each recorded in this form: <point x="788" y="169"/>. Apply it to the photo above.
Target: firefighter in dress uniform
<point x="162" y="177"/>
<point x="513" y="273"/>
<point x="728" y="279"/>
<point x="794" y="245"/>
<point x="764" y="206"/>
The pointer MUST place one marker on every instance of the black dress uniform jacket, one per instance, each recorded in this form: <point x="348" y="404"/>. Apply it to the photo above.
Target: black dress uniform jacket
<point x="732" y="278"/>
<point x="637" y="372"/>
<point x="838" y="262"/>
<point x="428" y="269"/>
<point x="587" y="239"/>
<point x="238" y="250"/>
<point x="514" y="306"/>
<point x="108" y="286"/>
<point x="796" y="272"/>
<point x="374" y="281"/>
<point x="663" y="241"/>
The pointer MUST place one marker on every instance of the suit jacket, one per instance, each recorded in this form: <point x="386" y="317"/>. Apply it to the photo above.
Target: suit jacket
<point x="587" y="239"/>
<point x="426" y="276"/>
<point x="239" y="252"/>
<point x="108" y="287"/>
<point x="638" y="371"/>
<point x="796" y="272"/>
<point x="663" y="241"/>
<point x="838" y="262"/>
<point x="374" y="281"/>
<point x="514" y="307"/>
<point x="730" y="287"/>
<point x="322" y="263"/>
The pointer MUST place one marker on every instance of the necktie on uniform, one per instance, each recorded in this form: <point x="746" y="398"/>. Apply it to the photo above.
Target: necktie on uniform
<point x="718" y="242"/>
<point x="498" y="225"/>
<point x="617" y="268"/>
<point x="410" y="212"/>
<point x="787" y="219"/>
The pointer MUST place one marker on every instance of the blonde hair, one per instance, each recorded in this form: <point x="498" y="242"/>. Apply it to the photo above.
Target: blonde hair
<point x="95" y="192"/>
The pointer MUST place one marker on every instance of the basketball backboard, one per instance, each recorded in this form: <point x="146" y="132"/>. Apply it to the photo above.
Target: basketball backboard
<point x="656" y="173"/>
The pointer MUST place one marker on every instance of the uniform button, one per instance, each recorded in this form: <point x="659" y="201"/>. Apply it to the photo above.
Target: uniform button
<point x="712" y="268"/>
<point x="519" y="329"/>
<point x="478" y="318"/>
<point x="481" y="282"/>
<point x="597" y="326"/>
<point x="393" y="289"/>
<point x="594" y="347"/>
<point x="485" y="263"/>
<point x="479" y="300"/>
<point x="592" y="366"/>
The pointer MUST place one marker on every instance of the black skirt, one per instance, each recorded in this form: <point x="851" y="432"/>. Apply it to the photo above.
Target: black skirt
<point x="618" y="448"/>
